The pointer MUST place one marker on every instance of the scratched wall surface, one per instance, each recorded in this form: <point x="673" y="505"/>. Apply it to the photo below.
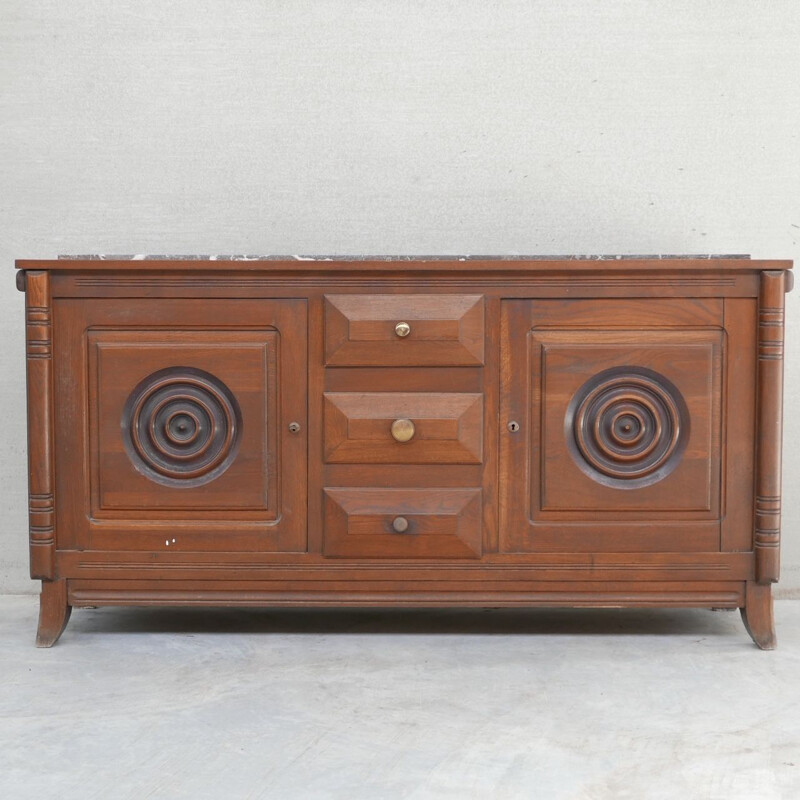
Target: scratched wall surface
<point x="393" y="127"/>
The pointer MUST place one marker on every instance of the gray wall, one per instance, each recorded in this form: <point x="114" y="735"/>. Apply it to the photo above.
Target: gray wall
<point x="393" y="127"/>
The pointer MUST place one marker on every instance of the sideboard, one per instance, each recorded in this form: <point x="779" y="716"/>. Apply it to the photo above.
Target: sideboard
<point x="437" y="431"/>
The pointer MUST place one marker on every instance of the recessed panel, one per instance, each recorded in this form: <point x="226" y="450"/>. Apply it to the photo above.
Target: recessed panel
<point x="184" y="420"/>
<point x="627" y="421"/>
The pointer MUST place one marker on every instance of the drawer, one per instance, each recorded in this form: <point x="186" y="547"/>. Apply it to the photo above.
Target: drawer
<point x="405" y="330"/>
<point x="403" y="523"/>
<point x="403" y="428"/>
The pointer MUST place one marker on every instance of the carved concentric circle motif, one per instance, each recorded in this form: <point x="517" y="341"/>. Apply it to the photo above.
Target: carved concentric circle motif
<point x="181" y="426"/>
<point x="627" y="426"/>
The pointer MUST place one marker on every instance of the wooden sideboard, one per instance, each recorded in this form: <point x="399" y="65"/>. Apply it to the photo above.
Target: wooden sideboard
<point x="405" y="432"/>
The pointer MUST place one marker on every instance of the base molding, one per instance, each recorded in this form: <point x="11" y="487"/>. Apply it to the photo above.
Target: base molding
<point x="633" y="595"/>
<point x="754" y="600"/>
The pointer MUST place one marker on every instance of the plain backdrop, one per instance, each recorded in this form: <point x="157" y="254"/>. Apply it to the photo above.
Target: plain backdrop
<point x="470" y="126"/>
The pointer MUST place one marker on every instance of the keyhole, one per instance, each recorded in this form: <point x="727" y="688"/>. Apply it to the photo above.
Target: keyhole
<point x="513" y="426"/>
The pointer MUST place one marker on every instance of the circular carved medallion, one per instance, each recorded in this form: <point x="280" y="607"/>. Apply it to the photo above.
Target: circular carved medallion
<point x="627" y="427"/>
<point x="181" y="426"/>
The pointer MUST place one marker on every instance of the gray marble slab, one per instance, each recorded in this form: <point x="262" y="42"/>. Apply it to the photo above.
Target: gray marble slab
<point x="148" y="257"/>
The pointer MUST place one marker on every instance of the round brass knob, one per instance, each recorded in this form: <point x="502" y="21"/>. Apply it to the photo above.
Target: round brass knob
<point x="403" y="430"/>
<point x="399" y="524"/>
<point x="402" y="329"/>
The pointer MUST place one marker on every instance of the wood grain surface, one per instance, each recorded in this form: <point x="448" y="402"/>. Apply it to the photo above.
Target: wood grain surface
<point x="489" y="433"/>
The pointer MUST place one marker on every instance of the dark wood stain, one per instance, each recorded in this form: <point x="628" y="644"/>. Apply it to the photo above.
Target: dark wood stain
<point x="405" y="431"/>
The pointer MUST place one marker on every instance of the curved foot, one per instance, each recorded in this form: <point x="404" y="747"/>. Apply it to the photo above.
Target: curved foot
<point x="758" y="617"/>
<point x="54" y="612"/>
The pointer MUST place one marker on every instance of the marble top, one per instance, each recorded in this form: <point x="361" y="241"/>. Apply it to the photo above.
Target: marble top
<point x="295" y="257"/>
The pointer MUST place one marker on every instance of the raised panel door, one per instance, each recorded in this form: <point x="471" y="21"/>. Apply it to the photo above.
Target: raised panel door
<point x="194" y="424"/>
<point x="615" y="422"/>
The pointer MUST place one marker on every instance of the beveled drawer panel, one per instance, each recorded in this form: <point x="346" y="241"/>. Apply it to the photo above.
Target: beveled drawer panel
<point x="405" y="330"/>
<point x="403" y="428"/>
<point x="403" y="523"/>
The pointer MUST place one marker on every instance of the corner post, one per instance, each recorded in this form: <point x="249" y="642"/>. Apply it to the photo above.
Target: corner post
<point x="767" y="535"/>
<point x="39" y="351"/>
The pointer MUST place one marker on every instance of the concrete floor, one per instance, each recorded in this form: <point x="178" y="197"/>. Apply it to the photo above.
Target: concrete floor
<point x="585" y="705"/>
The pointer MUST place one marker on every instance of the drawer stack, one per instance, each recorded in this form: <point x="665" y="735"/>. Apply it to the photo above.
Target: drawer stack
<point x="403" y="425"/>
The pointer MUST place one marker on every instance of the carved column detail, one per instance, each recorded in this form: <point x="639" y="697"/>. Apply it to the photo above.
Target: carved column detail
<point x="39" y="351"/>
<point x="770" y="411"/>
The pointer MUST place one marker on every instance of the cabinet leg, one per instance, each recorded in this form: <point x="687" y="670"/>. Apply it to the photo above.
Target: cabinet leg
<point x="54" y="612"/>
<point x="757" y="615"/>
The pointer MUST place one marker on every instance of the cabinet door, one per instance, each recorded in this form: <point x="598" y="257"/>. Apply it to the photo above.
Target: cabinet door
<point x="613" y="425"/>
<point x="174" y="424"/>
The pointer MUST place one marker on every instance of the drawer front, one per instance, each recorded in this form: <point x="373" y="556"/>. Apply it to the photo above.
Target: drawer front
<point x="403" y="428"/>
<point x="405" y="330"/>
<point x="403" y="523"/>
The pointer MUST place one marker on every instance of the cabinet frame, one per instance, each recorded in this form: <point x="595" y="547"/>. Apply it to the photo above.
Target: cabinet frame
<point x="737" y="572"/>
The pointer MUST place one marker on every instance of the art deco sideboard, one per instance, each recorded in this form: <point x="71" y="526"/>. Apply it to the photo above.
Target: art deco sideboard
<point x="405" y="432"/>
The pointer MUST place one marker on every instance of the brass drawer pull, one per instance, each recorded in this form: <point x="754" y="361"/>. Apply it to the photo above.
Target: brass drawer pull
<point x="403" y="430"/>
<point x="402" y="329"/>
<point x="399" y="524"/>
